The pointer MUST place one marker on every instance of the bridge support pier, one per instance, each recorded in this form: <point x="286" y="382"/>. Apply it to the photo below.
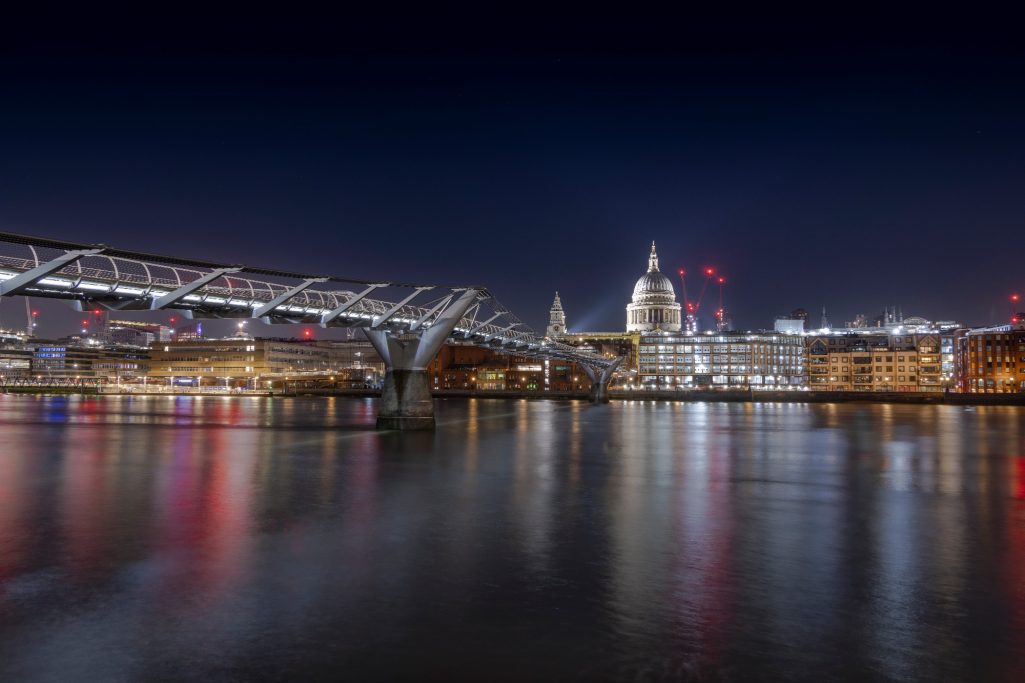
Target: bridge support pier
<point x="406" y="401"/>
<point x="600" y="378"/>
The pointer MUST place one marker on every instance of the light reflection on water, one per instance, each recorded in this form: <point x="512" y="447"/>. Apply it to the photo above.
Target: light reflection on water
<point x="238" y="538"/>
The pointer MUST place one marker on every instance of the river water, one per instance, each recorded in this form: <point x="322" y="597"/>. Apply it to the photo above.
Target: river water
<point x="191" y="538"/>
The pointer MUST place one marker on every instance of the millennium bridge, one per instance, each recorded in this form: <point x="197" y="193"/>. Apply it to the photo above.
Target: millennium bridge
<point x="407" y="324"/>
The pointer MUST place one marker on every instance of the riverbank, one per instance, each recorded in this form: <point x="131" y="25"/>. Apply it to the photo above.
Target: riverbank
<point x="935" y="397"/>
<point x="710" y="396"/>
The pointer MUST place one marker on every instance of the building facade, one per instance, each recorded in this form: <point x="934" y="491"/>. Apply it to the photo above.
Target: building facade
<point x="15" y="357"/>
<point x="135" y="333"/>
<point x="472" y="368"/>
<point x="991" y="360"/>
<point x="875" y="362"/>
<point x="239" y="361"/>
<point x="653" y="306"/>
<point x="722" y="360"/>
<point x="82" y="361"/>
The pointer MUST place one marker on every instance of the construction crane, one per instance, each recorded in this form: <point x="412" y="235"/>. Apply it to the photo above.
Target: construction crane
<point x="30" y="319"/>
<point x="693" y="306"/>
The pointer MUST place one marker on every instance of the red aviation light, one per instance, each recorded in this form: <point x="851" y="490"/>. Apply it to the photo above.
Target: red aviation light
<point x="682" y="272"/>
<point x="307" y="333"/>
<point x="1014" y="297"/>
<point x="709" y="271"/>
<point x="722" y="280"/>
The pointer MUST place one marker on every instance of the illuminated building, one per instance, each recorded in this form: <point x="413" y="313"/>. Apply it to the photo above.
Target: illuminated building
<point x="991" y="360"/>
<point x="60" y="361"/>
<point x="239" y="361"/>
<point x="789" y="326"/>
<point x="15" y="358"/>
<point x="472" y="368"/>
<point x="881" y="361"/>
<point x="556" y="319"/>
<point x="135" y="333"/>
<point x="721" y="360"/>
<point x="192" y="330"/>
<point x="653" y="305"/>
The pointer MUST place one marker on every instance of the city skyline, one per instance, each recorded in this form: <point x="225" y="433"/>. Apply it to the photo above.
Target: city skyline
<point x="542" y="160"/>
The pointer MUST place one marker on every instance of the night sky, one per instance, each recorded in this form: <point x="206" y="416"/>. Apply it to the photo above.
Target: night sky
<point x="847" y="161"/>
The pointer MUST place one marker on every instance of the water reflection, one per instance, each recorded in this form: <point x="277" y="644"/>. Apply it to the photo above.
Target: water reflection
<point x="204" y="538"/>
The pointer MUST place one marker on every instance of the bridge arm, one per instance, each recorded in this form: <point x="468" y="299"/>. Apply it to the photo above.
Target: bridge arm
<point x="383" y="318"/>
<point x="499" y="333"/>
<point x="186" y="289"/>
<point x="328" y="317"/>
<point x="268" y="307"/>
<point x="20" y="282"/>
<point x="427" y="316"/>
<point x="469" y="333"/>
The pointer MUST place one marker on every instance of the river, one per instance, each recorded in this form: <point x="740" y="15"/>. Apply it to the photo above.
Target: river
<point x="209" y="538"/>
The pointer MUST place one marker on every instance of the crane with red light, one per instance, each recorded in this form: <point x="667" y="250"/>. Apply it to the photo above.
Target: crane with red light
<point x="693" y="306"/>
<point x="32" y="318"/>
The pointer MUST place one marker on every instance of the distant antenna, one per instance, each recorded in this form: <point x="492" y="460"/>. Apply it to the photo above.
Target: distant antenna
<point x="825" y="320"/>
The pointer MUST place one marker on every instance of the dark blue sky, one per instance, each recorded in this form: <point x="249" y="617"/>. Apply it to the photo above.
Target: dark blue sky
<point x="845" y="161"/>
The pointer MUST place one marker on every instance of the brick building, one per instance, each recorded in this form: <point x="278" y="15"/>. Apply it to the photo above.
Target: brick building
<point x="991" y="360"/>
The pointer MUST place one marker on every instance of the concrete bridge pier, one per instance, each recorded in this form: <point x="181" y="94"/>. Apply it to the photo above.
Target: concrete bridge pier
<point x="600" y="380"/>
<point x="406" y="401"/>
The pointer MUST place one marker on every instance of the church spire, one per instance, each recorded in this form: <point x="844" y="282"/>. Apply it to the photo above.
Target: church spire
<point x="556" y="319"/>
<point x="653" y="259"/>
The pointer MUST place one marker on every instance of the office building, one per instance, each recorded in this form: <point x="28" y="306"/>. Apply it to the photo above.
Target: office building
<point x="722" y="360"/>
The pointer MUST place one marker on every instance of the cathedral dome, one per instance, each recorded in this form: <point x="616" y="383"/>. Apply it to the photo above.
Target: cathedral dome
<point x="653" y="286"/>
<point x="653" y="306"/>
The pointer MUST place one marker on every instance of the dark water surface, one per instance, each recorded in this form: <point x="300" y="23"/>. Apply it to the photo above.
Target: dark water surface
<point x="237" y="538"/>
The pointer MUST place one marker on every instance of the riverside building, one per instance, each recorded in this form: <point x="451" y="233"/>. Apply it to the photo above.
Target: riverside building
<point x="15" y="358"/>
<point x="884" y="361"/>
<point x="243" y="361"/>
<point x="472" y="368"/>
<point x="991" y="360"/>
<point x="722" y="360"/>
<point x="78" y="360"/>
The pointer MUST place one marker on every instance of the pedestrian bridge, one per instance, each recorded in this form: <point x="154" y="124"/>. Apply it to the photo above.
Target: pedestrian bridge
<point x="406" y="323"/>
